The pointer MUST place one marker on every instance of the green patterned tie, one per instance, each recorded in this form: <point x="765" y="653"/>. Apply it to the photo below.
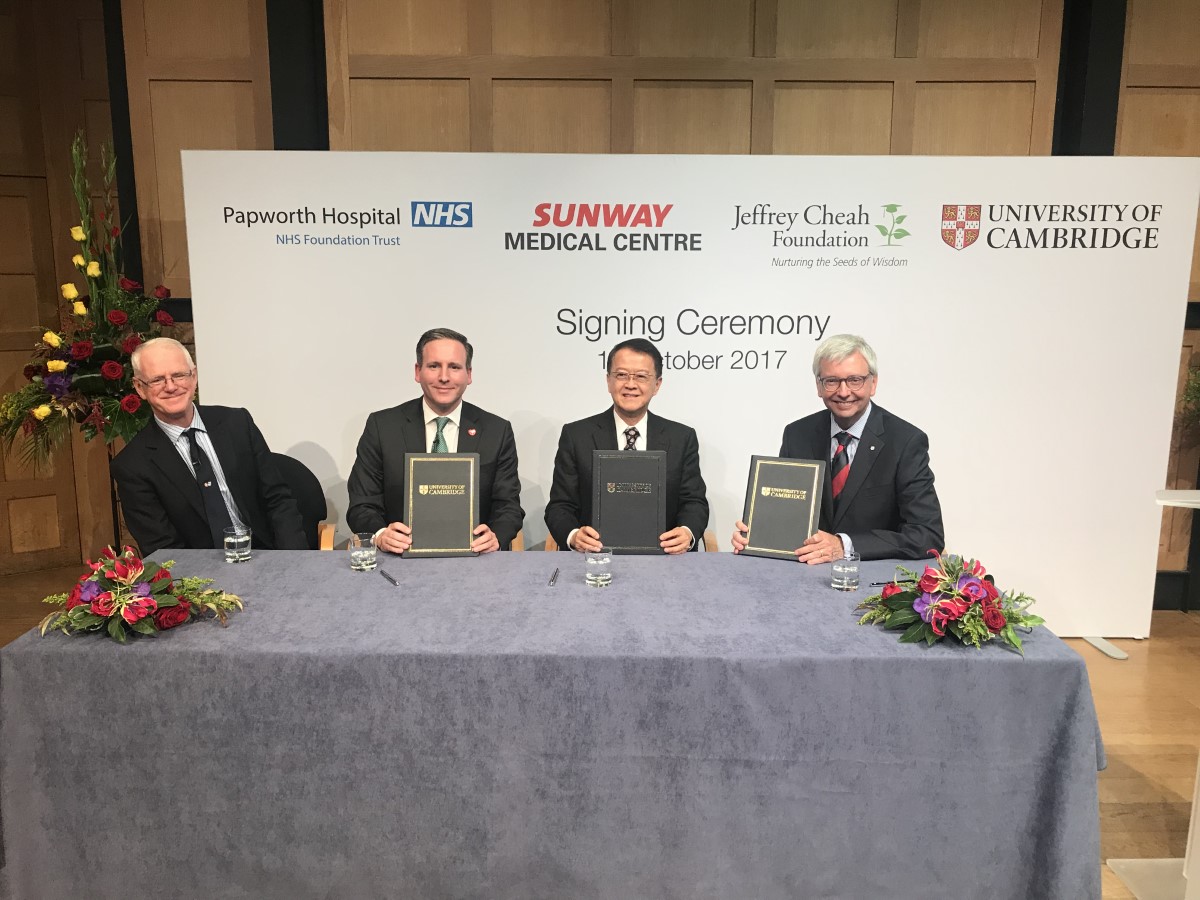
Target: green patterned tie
<point x="439" y="440"/>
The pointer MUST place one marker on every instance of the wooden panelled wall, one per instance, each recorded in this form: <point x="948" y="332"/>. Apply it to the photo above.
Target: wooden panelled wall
<point x="53" y="80"/>
<point x="693" y="76"/>
<point x="1159" y="115"/>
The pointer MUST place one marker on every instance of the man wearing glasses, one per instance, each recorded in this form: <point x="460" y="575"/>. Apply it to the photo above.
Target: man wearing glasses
<point x="879" y="498"/>
<point x="634" y="377"/>
<point x="194" y="471"/>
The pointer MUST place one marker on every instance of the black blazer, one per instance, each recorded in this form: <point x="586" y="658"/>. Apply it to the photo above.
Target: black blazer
<point x="570" y="504"/>
<point x="888" y="507"/>
<point x="161" y="499"/>
<point x="376" y="484"/>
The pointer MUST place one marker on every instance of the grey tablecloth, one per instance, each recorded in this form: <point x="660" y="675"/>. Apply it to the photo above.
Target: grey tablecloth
<point x="707" y="726"/>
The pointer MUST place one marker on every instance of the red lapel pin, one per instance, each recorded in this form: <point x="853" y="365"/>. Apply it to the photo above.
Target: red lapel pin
<point x="471" y="432"/>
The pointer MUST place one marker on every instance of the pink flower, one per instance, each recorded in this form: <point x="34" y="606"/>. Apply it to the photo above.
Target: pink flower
<point x="126" y="572"/>
<point x="929" y="581"/>
<point x="138" y="609"/>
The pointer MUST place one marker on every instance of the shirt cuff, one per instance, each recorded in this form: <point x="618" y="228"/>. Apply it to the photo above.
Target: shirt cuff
<point x="847" y="544"/>
<point x="693" y="537"/>
<point x="571" y="537"/>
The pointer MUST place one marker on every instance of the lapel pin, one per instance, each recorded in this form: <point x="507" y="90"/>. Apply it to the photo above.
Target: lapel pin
<point x="471" y="432"/>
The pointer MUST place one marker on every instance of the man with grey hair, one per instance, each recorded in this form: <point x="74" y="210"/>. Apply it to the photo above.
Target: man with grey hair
<point x="195" y="470"/>
<point x="879" y="498"/>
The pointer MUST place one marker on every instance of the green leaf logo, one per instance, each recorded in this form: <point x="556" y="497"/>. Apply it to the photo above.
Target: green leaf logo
<point x="894" y="233"/>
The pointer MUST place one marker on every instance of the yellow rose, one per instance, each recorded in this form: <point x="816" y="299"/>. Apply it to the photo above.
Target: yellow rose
<point x="56" y="365"/>
<point x="77" y="234"/>
<point x="69" y="291"/>
<point x="79" y="309"/>
<point x="40" y="412"/>
<point x="78" y="261"/>
<point x="50" y="339"/>
<point x="93" y="269"/>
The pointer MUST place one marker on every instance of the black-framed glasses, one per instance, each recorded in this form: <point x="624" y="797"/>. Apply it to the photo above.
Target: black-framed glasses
<point x="854" y="382"/>
<point x="160" y="381"/>
<point x="642" y="378"/>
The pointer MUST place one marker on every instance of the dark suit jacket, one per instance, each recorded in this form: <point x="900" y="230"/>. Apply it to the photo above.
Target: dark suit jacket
<point x="161" y="499"/>
<point x="570" y="504"/>
<point x="888" y="506"/>
<point x="376" y="485"/>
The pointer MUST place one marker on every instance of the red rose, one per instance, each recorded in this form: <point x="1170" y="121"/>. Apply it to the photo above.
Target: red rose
<point x="160" y="575"/>
<point x="163" y="318"/>
<point x="136" y="610"/>
<point x="993" y="618"/>
<point x="889" y="589"/>
<point x="131" y="403"/>
<point x="104" y="605"/>
<point x="128" y="284"/>
<point x="161" y="293"/>
<point x="117" y="317"/>
<point x="131" y="343"/>
<point x="74" y="601"/>
<point x="81" y="349"/>
<point x="30" y="372"/>
<point x="112" y="370"/>
<point x="170" y="616"/>
<point x="990" y="589"/>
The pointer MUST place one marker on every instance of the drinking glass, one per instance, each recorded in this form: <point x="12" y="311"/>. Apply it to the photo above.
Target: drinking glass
<point x="845" y="573"/>
<point x="362" y="551"/>
<point x="598" y="568"/>
<point x="237" y="544"/>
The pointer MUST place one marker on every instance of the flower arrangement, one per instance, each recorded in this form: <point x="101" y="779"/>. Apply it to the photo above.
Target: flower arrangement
<point x="123" y="595"/>
<point x="957" y="598"/>
<point x="80" y="374"/>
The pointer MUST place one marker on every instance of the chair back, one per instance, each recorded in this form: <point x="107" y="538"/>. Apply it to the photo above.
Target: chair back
<point x="307" y="490"/>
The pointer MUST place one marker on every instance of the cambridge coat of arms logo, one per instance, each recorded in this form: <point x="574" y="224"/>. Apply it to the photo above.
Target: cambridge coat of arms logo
<point x="960" y="224"/>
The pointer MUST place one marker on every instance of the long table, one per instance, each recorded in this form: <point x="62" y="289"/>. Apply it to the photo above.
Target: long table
<point x="708" y="726"/>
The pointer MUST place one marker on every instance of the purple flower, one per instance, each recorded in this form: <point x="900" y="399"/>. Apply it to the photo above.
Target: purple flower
<point x="971" y="588"/>
<point x="57" y="383"/>
<point x="88" y="592"/>
<point x="142" y="589"/>
<point x="925" y="604"/>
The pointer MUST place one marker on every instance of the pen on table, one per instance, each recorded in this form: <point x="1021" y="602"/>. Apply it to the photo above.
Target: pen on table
<point x="882" y="583"/>
<point x="553" y="578"/>
<point x="389" y="577"/>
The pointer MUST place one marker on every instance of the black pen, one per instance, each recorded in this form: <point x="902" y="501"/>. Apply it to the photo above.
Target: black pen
<point x="553" y="578"/>
<point x="882" y="583"/>
<point x="389" y="577"/>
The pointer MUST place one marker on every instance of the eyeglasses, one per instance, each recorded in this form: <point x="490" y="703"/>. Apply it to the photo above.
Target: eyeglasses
<point x="641" y="378"/>
<point x="160" y="382"/>
<point x="854" y="382"/>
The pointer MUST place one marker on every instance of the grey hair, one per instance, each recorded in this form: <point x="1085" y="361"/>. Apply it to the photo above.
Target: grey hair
<point x="838" y="347"/>
<point x="136" y="356"/>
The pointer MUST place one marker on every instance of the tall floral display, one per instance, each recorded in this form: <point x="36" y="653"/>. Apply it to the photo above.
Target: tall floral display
<point x="80" y="375"/>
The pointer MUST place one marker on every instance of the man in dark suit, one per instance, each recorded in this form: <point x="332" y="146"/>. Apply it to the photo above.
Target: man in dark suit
<point x="195" y="470"/>
<point x="879" y="498"/>
<point x="439" y="421"/>
<point x="634" y="377"/>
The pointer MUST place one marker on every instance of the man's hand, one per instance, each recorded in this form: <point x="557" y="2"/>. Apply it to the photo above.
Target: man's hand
<point x="396" y="538"/>
<point x="822" y="547"/>
<point x="677" y="540"/>
<point x="587" y="540"/>
<point x="485" y="540"/>
<point x="739" y="536"/>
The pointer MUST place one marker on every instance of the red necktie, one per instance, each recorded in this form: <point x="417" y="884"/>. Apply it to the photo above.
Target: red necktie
<point x="841" y="462"/>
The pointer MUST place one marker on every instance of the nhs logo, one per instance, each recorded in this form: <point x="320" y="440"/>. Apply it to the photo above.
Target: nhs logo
<point x="441" y="214"/>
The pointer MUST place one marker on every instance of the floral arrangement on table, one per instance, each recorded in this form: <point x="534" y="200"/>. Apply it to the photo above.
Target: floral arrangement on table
<point x="80" y="374"/>
<point x="957" y="598"/>
<point x="124" y="595"/>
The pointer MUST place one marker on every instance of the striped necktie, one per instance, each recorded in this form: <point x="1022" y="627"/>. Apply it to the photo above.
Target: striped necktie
<point x="840" y="465"/>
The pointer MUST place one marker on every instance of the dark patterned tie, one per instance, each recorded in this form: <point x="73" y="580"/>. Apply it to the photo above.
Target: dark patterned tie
<point x="214" y="504"/>
<point x="840" y="465"/>
<point x="439" y="439"/>
<point x="631" y="436"/>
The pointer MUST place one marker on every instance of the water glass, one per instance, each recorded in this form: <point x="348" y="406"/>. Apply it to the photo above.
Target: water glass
<point x="598" y="568"/>
<point x="845" y="573"/>
<point x="237" y="544"/>
<point x="362" y="551"/>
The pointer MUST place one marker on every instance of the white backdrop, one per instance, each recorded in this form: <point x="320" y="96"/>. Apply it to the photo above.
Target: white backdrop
<point x="1041" y="361"/>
